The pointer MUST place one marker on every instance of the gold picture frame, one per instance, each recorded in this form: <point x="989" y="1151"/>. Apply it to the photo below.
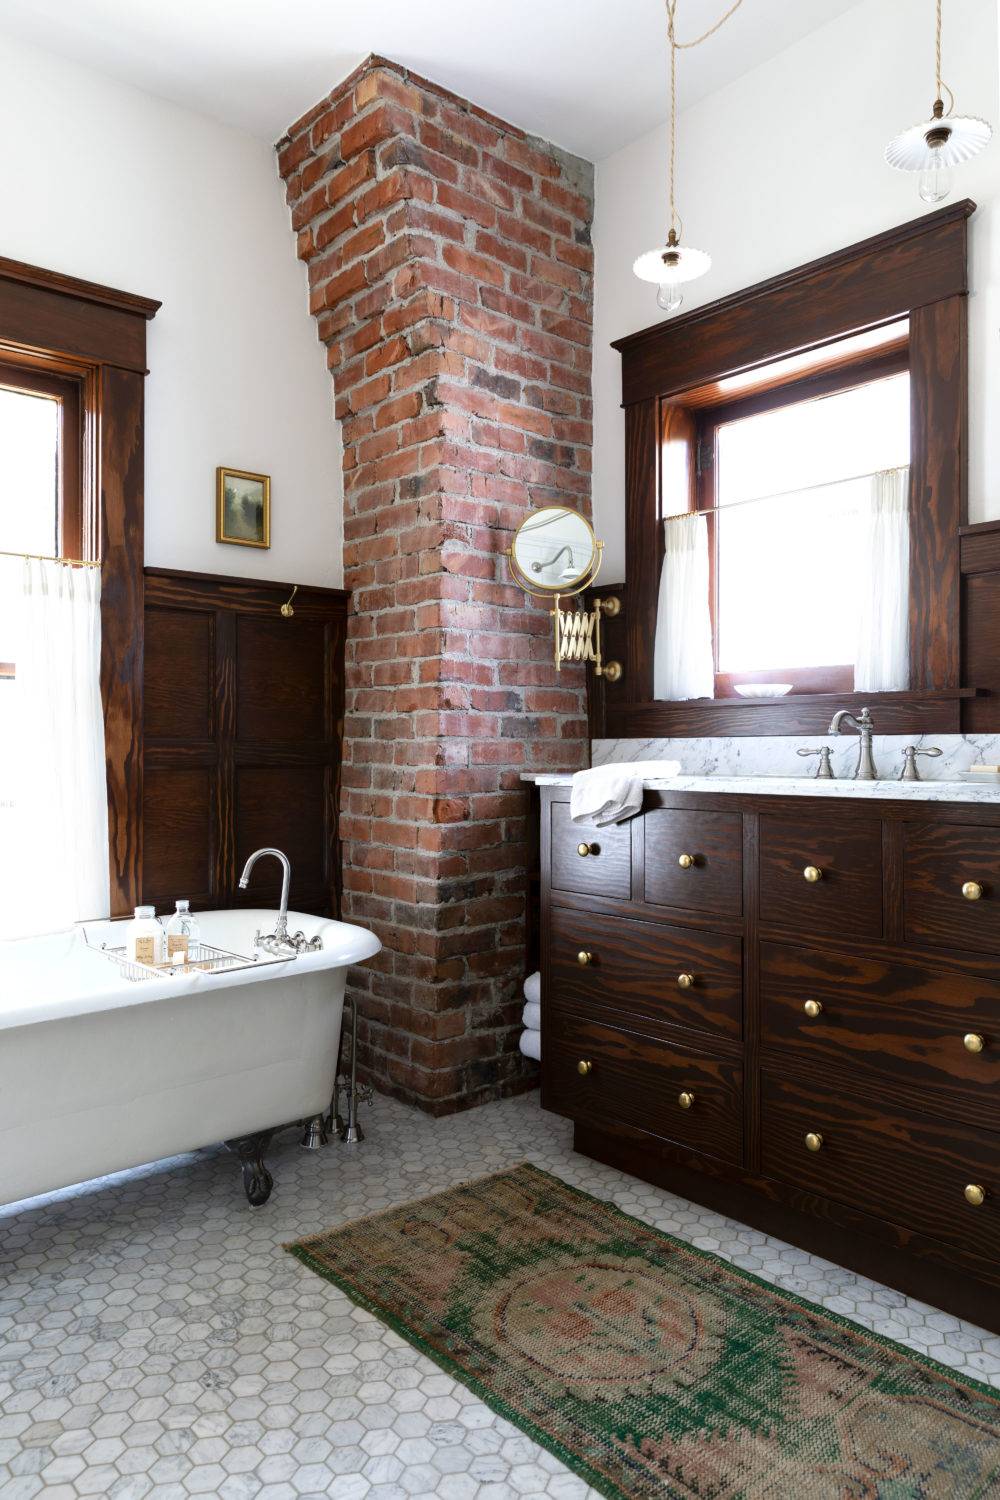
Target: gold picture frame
<point x="242" y="508"/>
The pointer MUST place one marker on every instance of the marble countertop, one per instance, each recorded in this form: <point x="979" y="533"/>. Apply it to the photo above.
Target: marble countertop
<point x="807" y="786"/>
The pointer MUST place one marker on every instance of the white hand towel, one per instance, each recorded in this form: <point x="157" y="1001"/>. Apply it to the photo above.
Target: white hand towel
<point x="531" y="1017"/>
<point x="533" y="988"/>
<point x="531" y="1044"/>
<point x="610" y="794"/>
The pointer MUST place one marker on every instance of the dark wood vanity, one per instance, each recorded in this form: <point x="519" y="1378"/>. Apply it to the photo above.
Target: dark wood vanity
<point x="788" y="1008"/>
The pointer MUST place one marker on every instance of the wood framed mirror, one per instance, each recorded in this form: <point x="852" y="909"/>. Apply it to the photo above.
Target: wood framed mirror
<point x="890" y="308"/>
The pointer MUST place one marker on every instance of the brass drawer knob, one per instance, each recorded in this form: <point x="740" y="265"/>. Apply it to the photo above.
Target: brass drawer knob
<point x="685" y="981"/>
<point x="686" y="861"/>
<point x="975" y="1195"/>
<point x="973" y="1042"/>
<point x="685" y="1099"/>
<point x="814" y="1141"/>
<point x="812" y="873"/>
<point x="584" y="849"/>
<point x="972" y="890"/>
<point x="813" y="1008"/>
<point x="584" y="1066"/>
<point x="584" y="957"/>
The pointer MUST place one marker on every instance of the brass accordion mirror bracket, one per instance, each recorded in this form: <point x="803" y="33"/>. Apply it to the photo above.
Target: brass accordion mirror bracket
<point x="540" y="544"/>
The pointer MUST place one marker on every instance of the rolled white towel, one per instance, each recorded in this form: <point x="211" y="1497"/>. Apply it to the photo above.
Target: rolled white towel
<point x="531" y="1016"/>
<point x="531" y="1044"/>
<point x="612" y="793"/>
<point x="533" y="988"/>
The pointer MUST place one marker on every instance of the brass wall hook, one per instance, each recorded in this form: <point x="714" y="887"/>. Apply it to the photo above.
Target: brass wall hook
<point x="286" y="608"/>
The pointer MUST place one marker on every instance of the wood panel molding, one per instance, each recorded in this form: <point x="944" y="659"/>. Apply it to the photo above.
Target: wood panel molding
<point x="242" y="743"/>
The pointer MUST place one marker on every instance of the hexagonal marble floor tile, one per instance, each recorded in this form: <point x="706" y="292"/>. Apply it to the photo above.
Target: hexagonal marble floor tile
<point x="157" y="1344"/>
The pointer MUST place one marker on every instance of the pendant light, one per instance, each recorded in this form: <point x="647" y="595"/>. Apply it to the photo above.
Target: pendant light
<point x="944" y="141"/>
<point x="669" y="266"/>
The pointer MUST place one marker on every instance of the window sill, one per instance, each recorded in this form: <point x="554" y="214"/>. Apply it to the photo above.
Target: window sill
<point x="931" y="711"/>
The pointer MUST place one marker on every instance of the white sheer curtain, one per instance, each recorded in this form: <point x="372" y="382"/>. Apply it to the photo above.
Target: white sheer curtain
<point x="54" y="868"/>
<point x="882" y="657"/>
<point x="683" y="663"/>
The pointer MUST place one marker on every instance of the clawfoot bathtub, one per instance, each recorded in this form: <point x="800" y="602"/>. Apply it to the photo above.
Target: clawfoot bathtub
<point x="99" y="1073"/>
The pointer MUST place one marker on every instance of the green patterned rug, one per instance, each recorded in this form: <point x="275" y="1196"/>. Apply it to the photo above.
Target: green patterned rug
<point x="653" y="1369"/>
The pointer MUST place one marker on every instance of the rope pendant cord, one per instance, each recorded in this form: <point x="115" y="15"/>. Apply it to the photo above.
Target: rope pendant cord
<point x="675" y="226"/>
<point x="940" y="85"/>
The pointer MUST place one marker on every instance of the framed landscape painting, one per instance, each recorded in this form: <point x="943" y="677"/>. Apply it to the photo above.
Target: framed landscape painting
<point x="242" y="508"/>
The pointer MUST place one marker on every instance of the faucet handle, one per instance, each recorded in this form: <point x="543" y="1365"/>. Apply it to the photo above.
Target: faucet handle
<point x="910" y="753"/>
<point x="824" y="771"/>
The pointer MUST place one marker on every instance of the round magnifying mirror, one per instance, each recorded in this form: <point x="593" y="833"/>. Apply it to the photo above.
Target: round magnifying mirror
<point x="554" y="551"/>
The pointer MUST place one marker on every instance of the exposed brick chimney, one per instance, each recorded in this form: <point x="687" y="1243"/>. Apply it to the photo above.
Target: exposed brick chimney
<point x="450" y="271"/>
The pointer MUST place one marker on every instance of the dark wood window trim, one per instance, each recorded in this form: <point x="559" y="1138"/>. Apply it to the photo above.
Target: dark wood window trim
<point x="97" y="336"/>
<point x="916" y="271"/>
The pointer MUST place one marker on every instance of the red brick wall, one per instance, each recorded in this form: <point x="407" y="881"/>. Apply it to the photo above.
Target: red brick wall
<point x="450" y="273"/>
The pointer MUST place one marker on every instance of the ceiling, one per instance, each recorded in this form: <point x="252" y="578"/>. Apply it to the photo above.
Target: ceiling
<point x="589" y="75"/>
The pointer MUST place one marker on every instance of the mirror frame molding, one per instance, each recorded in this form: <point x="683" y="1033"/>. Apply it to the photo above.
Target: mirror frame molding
<point x="916" y="270"/>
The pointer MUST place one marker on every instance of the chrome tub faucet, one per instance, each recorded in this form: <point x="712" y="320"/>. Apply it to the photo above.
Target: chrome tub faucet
<point x="279" y="941"/>
<point x="865" y="726"/>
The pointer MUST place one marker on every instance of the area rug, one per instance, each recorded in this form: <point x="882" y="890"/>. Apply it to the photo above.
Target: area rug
<point x="653" y="1369"/>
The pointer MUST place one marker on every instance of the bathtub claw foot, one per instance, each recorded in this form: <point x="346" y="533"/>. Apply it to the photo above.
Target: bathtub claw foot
<point x="257" y="1180"/>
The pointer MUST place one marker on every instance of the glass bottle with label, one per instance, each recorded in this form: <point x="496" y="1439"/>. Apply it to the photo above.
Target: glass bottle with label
<point x="144" y="943"/>
<point x="183" y="935"/>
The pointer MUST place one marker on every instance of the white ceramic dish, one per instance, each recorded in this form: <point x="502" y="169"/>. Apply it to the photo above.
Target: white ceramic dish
<point x="762" y="689"/>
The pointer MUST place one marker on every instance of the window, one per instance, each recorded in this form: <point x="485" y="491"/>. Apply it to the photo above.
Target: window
<point x="40" y="514"/>
<point x="41" y="444"/>
<point x="786" y="476"/>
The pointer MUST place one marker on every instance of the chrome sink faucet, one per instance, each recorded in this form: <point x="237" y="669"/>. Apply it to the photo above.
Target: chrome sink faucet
<point x="864" y="725"/>
<point x="278" y="940"/>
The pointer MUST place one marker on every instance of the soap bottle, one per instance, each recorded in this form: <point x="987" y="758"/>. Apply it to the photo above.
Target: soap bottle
<point x="145" y="937"/>
<point x="183" y="935"/>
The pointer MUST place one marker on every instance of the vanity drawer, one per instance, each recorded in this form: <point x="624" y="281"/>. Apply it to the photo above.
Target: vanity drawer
<point x="905" y="1167"/>
<point x="605" y="869"/>
<point x="845" y="899"/>
<point x="943" y="865"/>
<point x="881" y="1019"/>
<point x="694" y="860"/>
<point x="636" y="968"/>
<point x="638" y="1081"/>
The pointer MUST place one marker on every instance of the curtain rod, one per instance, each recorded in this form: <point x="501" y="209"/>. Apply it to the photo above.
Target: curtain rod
<point x="801" y="489"/>
<point x="68" y="562"/>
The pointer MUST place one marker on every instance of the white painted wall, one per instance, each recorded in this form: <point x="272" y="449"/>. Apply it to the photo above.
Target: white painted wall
<point x="785" y="165"/>
<point x="102" y="181"/>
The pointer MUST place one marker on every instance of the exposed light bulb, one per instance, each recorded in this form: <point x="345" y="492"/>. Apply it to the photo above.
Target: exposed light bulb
<point x="669" y="296"/>
<point x="934" y="183"/>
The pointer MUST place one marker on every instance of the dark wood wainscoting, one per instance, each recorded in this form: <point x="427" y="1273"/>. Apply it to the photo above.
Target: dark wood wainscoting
<point x="242" y="740"/>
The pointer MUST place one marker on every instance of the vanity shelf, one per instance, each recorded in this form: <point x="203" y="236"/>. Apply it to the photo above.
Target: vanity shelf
<point x="936" y="711"/>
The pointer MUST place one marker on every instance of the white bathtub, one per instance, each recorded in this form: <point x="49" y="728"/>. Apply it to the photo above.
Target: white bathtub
<point x="99" y="1073"/>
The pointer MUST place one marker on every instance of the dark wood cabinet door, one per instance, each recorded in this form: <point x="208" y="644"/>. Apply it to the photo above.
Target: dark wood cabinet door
<point x="908" y="1168"/>
<point x="944" y="865"/>
<point x="605" y="866"/>
<point x="879" y="1019"/>
<point x="694" y="860"/>
<point x="639" y="1081"/>
<point x="846" y="898"/>
<point x="671" y="974"/>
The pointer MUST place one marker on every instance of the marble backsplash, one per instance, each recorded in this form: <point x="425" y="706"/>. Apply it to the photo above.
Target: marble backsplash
<point x="776" y="755"/>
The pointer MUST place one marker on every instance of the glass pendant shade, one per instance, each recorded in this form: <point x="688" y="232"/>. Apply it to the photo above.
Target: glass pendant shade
<point x="669" y="268"/>
<point x="934" y="147"/>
